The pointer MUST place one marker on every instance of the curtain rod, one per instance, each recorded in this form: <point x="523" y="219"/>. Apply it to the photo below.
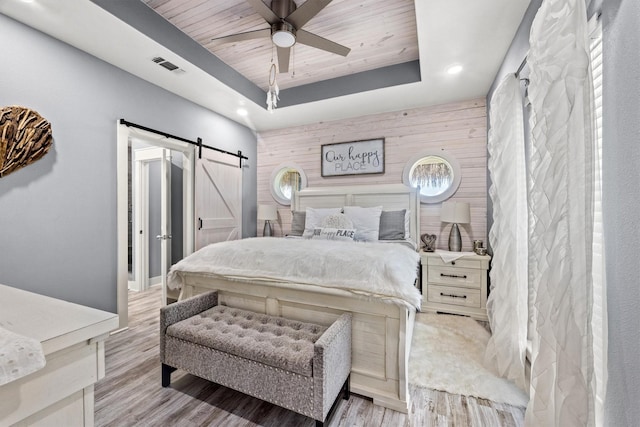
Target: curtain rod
<point x="197" y="143"/>
<point x="521" y="67"/>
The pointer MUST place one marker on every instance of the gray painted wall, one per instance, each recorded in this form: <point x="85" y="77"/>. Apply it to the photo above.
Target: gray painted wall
<point x="621" y="194"/>
<point x="58" y="215"/>
<point x="176" y="206"/>
<point x="621" y="205"/>
<point x="155" y="220"/>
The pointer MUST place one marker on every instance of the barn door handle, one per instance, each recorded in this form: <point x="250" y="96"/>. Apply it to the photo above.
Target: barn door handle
<point x="199" y="223"/>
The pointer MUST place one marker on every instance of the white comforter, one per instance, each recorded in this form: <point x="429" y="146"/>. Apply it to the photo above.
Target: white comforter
<point x="383" y="271"/>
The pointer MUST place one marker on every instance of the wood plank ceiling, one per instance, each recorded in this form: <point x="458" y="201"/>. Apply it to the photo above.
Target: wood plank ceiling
<point x="379" y="32"/>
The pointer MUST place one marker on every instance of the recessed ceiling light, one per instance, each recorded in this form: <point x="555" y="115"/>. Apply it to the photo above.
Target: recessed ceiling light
<point x="242" y="112"/>
<point x="454" y="69"/>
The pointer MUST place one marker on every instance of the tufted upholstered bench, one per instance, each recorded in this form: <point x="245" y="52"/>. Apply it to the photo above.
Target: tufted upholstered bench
<point x="299" y="366"/>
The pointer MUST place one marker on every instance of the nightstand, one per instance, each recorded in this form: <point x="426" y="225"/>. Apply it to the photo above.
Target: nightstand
<point x="455" y="287"/>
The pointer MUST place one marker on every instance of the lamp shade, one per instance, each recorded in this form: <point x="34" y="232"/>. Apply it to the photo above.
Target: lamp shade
<point x="267" y="212"/>
<point x="455" y="212"/>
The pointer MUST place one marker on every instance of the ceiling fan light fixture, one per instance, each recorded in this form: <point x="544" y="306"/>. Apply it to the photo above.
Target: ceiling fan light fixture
<point x="283" y="34"/>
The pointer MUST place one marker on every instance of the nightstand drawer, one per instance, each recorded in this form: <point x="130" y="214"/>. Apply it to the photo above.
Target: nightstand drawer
<point x="436" y="261"/>
<point x="467" y="277"/>
<point x="455" y="296"/>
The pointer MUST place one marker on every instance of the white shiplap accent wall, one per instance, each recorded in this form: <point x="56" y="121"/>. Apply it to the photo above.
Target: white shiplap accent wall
<point x="459" y="128"/>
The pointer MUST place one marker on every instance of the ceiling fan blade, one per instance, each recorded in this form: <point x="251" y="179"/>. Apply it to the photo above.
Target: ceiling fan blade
<point x="263" y="10"/>
<point x="318" y="42"/>
<point x="304" y="13"/>
<point x="249" y="35"/>
<point x="283" y="59"/>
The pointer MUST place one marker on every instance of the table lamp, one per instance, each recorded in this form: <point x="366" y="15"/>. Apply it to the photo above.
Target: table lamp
<point x="455" y="213"/>
<point x="267" y="213"/>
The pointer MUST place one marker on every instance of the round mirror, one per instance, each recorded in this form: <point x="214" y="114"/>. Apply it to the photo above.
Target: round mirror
<point x="437" y="175"/>
<point x="284" y="180"/>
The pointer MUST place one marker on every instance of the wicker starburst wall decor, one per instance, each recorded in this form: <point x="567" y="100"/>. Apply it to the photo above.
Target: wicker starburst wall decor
<point x="25" y="136"/>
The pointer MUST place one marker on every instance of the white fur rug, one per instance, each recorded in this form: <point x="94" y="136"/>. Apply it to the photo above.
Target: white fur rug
<point x="447" y="354"/>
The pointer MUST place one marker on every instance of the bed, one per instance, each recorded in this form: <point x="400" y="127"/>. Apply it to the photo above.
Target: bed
<point x="382" y="327"/>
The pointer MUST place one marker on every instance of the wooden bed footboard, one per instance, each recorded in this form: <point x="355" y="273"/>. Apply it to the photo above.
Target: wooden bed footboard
<point x="381" y="332"/>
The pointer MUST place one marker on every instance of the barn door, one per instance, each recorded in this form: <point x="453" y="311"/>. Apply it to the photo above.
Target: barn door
<point x="218" y="198"/>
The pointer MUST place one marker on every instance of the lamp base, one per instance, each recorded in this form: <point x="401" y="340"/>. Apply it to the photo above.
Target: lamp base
<point x="267" y="229"/>
<point x="455" y="240"/>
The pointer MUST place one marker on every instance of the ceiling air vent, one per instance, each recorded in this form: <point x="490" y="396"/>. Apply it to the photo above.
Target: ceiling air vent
<point x="166" y="64"/>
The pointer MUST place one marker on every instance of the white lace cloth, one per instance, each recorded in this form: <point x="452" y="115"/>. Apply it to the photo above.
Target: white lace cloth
<point x="448" y="256"/>
<point x="19" y="356"/>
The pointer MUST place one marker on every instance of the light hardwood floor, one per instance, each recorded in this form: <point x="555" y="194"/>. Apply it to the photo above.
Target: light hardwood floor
<point x="131" y="395"/>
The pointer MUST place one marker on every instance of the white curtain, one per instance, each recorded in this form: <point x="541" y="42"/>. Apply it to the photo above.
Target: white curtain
<point x="507" y="302"/>
<point x="561" y="217"/>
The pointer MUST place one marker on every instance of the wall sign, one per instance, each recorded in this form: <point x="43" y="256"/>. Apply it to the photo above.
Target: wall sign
<point x="353" y="158"/>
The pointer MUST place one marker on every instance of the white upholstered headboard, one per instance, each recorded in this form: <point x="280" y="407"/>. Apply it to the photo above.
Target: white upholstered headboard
<point x="389" y="196"/>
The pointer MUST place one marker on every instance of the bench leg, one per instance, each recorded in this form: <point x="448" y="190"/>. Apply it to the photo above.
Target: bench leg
<point x="346" y="389"/>
<point x="346" y="392"/>
<point x="166" y="374"/>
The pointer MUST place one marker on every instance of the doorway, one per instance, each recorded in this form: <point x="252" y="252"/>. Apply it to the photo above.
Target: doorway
<point x="154" y="190"/>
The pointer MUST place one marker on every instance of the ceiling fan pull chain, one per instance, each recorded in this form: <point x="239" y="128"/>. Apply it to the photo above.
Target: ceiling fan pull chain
<point x="293" y="61"/>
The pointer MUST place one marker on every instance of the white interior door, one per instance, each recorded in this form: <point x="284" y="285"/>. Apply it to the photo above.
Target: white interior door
<point x="165" y="220"/>
<point x="218" y="198"/>
<point x="143" y="157"/>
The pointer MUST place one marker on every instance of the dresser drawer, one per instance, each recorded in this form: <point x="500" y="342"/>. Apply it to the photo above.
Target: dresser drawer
<point x="454" y="296"/>
<point x="436" y="261"/>
<point x="467" y="277"/>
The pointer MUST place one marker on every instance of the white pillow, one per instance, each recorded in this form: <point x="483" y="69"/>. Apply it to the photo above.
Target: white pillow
<point x="314" y="219"/>
<point x="366" y="221"/>
<point x="334" y="234"/>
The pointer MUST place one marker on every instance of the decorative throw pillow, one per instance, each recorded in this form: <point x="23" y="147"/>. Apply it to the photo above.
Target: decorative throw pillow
<point x="314" y="219"/>
<point x="297" y="223"/>
<point x="337" y="221"/>
<point x="327" y="233"/>
<point x="392" y="225"/>
<point x="366" y="221"/>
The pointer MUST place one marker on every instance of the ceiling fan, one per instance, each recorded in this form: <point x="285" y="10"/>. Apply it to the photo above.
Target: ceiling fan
<point x="286" y="21"/>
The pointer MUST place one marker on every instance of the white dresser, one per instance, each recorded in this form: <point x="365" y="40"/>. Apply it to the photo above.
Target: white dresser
<point x="455" y="287"/>
<point x="72" y="338"/>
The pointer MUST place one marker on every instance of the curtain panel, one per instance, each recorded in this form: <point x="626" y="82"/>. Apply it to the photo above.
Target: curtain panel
<point x="507" y="302"/>
<point x="561" y="216"/>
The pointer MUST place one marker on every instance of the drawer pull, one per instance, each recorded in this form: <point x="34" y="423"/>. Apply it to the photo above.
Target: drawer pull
<point x="453" y="275"/>
<point x="442" y="294"/>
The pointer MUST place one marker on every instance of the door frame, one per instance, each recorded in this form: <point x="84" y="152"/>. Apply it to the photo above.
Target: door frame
<point x="124" y="135"/>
